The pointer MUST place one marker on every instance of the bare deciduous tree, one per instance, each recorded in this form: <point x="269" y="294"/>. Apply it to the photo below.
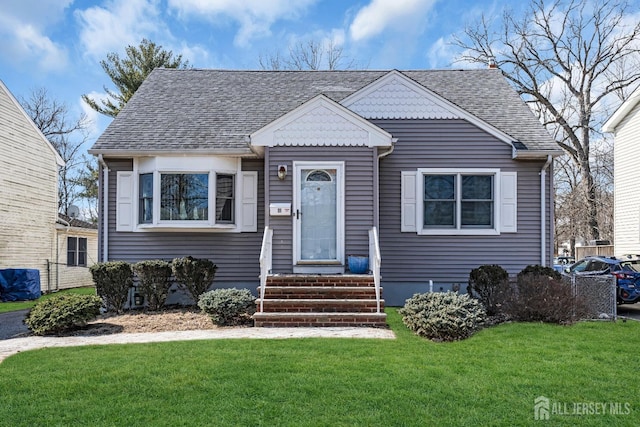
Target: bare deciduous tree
<point x="566" y="58"/>
<point x="310" y="55"/>
<point x="66" y="135"/>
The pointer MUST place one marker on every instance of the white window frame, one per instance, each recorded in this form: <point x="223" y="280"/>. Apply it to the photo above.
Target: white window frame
<point x="458" y="230"/>
<point x="196" y="165"/>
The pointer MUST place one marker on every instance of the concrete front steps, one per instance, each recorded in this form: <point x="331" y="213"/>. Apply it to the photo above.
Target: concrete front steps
<point x="319" y="300"/>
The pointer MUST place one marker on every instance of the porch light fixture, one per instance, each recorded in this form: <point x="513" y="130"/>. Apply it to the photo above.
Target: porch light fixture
<point x="282" y="172"/>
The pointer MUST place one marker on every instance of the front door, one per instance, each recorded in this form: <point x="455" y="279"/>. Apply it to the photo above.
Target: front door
<point x="319" y="214"/>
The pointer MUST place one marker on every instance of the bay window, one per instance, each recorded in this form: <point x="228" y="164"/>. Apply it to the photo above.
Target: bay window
<point x="160" y="193"/>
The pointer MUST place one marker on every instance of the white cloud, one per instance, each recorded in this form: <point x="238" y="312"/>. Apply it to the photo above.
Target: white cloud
<point x="118" y="24"/>
<point x="23" y="30"/>
<point x="98" y="122"/>
<point x="39" y="13"/>
<point x="441" y="54"/>
<point x="378" y="15"/>
<point x="255" y="17"/>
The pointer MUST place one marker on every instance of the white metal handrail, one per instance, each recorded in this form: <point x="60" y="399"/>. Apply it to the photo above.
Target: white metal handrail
<point x="265" y="263"/>
<point x="375" y="261"/>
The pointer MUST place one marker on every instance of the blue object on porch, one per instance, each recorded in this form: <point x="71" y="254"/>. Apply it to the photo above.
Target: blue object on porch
<point x="19" y="284"/>
<point x="358" y="264"/>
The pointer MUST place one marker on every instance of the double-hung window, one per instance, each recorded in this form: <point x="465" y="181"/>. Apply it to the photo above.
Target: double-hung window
<point x="225" y="200"/>
<point x="76" y="251"/>
<point x="145" y="195"/>
<point x="458" y="202"/>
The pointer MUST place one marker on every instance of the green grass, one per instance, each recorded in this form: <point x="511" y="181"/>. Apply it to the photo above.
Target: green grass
<point x="490" y="379"/>
<point x="6" y="307"/>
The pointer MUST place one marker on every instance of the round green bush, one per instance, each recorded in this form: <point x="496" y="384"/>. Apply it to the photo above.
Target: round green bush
<point x="113" y="280"/>
<point x="154" y="281"/>
<point x="62" y="313"/>
<point x="194" y="275"/>
<point x="490" y="284"/>
<point x="228" y="307"/>
<point x="443" y="316"/>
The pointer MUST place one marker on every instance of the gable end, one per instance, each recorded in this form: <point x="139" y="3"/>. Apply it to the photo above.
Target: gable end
<point x="395" y="96"/>
<point x="321" y="122"/>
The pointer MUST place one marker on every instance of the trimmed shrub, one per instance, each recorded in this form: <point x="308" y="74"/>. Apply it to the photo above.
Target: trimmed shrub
<point x="443" y="316"/>
<point x="62" y="313"/>
<point x="113" y="280"/>
<point x="194" y="275"/>
<point x="490" y="284"/>
<point x="541" y="296"/>
<point x="154" y="281"/>
<point x="228" y="307"/>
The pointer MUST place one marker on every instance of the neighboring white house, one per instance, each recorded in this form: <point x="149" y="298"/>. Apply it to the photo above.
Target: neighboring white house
<point x="28" y="191"/>
<point x="77" y="243"/>
<point x="625" y="126"/>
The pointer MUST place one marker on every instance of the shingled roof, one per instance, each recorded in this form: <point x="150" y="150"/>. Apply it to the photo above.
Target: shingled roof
<point x="215" y="111"/>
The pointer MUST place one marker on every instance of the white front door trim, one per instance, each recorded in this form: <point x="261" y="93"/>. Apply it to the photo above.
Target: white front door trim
<point x="324" y="264"/>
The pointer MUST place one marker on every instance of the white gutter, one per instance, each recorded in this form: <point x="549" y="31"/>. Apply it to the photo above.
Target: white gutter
<point x="543" y="212"/>
<point x="390" y="150"/>
<point x="105" y="209"/>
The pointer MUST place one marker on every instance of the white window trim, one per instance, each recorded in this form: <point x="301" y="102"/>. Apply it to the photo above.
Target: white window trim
<point x="494" y="231"/>
<point x="175" y="166"/>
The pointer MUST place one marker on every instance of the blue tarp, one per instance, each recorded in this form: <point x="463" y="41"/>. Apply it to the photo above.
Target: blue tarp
<point x="19" y="284"/>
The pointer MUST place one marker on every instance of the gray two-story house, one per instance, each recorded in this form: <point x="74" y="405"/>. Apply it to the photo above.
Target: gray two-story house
<point x="286" y="173"/>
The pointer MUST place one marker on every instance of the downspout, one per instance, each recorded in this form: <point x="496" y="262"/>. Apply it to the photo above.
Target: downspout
<point x="543" y="211"/>
<point x="66" y="224"/>
<point x="105" y="208"/>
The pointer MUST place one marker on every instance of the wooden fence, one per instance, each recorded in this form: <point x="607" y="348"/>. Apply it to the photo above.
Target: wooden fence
<point x="600" y="250"/>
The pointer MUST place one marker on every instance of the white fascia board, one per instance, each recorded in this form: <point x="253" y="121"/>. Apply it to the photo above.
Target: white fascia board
<point x="59" y="159"/>
<point x="622" y="111"/>
<point x="264" y="137"/>
<point x="123" y="153"/>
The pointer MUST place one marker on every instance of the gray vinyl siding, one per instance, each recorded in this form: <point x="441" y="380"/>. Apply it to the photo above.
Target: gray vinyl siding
<point x="359" y="197"/>
<point x="235" y="254"/>
<point x="409" y="260"/>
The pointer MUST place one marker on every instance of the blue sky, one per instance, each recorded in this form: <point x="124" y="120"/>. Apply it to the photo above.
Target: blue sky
<point x="58" y="44"/>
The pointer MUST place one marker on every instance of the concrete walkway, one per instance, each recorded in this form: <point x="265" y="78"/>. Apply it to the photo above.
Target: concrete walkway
<point x="16" y="345"/>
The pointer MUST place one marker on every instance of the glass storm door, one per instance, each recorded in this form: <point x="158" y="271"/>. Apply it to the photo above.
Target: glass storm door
<point x="318" y="219"/>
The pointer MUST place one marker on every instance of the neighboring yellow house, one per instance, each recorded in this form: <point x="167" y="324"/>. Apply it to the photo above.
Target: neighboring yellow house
<point x="28" y="192"/>
<point x="77" y="243"/>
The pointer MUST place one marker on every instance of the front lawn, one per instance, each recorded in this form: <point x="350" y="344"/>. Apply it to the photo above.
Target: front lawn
<point x="6" y="307"/>
<point x="492" y="378"/>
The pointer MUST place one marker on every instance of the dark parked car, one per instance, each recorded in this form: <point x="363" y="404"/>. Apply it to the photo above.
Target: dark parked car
<point x="625" y="269"/>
